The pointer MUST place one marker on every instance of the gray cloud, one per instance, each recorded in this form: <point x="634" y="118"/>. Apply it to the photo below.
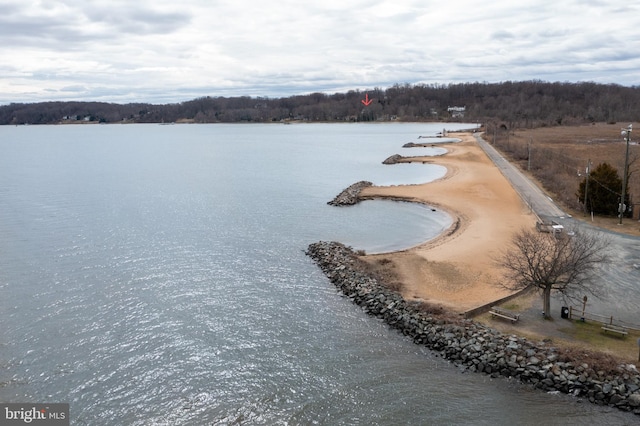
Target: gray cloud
<point x="502" y="35"/>
<point x="166" y="51"/>
<point x="135" y="20"/>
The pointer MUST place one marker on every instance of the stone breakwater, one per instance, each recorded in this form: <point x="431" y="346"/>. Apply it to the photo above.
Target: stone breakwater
<point x="474" y="346"/>
<point x="350" y="196"/>
<point x="394" y="159"/>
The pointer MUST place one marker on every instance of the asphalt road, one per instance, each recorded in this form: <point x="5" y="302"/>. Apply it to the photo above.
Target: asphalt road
<point x="620" y="280"/>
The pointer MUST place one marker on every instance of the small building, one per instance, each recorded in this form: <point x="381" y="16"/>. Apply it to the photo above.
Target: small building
<point x="456" y="111"/>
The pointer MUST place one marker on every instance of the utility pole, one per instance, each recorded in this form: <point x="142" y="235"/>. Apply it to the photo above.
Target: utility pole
<point x="625" y="132"/>
<point x="586" y="187"/>
<point x="529" y="154"/>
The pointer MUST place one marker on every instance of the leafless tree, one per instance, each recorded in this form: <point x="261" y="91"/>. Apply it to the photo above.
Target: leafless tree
<point x="566" y="262"/>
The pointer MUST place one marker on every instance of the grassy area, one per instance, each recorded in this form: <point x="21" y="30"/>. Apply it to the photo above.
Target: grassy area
<point x="591" y="334"/>
<point x="573" y="335"/>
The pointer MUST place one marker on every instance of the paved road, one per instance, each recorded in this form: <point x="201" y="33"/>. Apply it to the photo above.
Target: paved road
<point x="532" y="195"/>
<point x="620" y="279"/>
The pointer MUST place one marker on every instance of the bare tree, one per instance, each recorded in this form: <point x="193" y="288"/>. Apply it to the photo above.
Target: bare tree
<point x="561" y="262"/>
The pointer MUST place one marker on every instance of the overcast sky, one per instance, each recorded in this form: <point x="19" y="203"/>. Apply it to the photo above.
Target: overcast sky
<point x="164" y="51"/>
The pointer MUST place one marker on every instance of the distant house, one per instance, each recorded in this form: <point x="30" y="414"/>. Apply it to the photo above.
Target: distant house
<point x="456" y="111"/>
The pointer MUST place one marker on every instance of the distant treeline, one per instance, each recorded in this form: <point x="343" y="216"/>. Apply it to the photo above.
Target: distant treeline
<point x="526" y="104"/>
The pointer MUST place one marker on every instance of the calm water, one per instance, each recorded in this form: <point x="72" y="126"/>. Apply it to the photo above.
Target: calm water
<point x="156" y="275"/>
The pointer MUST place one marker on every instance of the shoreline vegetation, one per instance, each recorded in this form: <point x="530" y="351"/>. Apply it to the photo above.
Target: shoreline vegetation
<point x="454" y="273"/>
<point x="525" y="104"/>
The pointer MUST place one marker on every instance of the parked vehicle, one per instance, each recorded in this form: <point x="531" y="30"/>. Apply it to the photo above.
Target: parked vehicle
<point x="549" y="226"/>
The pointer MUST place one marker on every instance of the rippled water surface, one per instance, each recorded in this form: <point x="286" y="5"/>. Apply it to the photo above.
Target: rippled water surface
<point x="156" y="275"/>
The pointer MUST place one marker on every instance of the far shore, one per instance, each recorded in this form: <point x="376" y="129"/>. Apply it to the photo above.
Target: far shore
<point x="457" y="269"/>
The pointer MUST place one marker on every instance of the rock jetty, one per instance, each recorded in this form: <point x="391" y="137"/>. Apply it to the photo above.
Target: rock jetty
<point x="395" y="158"/>
<point x="474" y="346"/>
<point x="350" y="195"/>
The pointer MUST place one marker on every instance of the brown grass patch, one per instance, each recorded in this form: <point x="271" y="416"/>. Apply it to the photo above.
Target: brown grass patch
<point x="559" y="153"/>
<point x="603" y="362"/>
<point x="384" y="271"/>
<point x="438" y="311"/>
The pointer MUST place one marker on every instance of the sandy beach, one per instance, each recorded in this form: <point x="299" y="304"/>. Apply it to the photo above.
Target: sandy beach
<point x="457" y="269"/>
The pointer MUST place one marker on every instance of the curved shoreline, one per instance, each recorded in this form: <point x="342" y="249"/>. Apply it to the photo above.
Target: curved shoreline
<point x="353" y="195"/>
<point x="456" y="269"/>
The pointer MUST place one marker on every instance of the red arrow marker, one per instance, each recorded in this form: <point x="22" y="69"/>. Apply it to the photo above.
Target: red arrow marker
<point x="366" y="101"/>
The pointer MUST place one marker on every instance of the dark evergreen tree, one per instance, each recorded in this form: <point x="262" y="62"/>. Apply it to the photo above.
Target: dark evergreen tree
<point x="603" y="194"/>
